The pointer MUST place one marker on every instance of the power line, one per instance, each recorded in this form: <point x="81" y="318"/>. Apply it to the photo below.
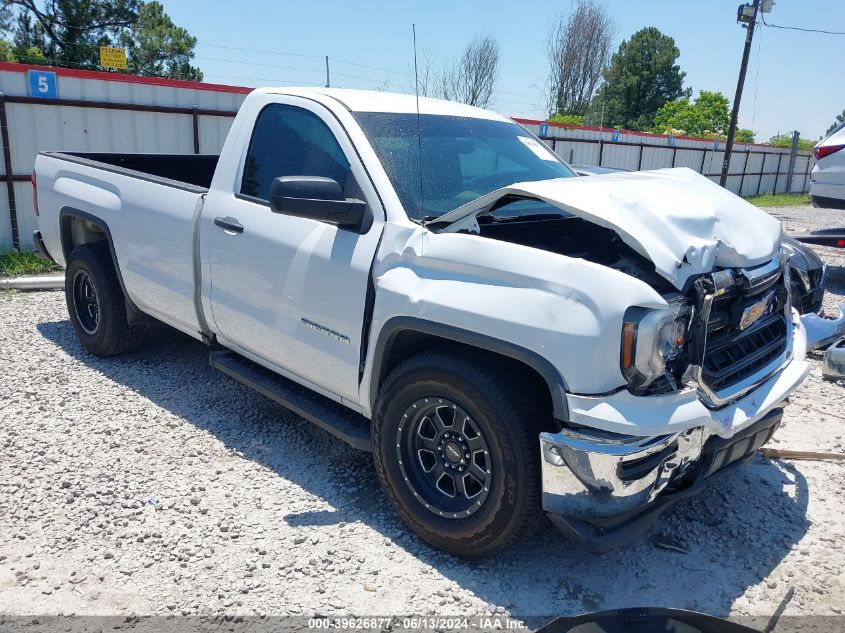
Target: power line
<point x="283" y="53"/>
<point x="798" y="28"/>
<point x="268" y="79"/>
<point x="255" y="50"/>
<point x="372" y="80"/>
<point x="295" y="68"/>
<point x="341" y="61"/>
<point x="756" y="81"/>
<point x="406" y="87"/>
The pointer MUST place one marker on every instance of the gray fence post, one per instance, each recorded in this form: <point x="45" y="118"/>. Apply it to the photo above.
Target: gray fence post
<point x="793" y="153"/>
<point x="196" y="125"/>
<point x="9" y="177"/>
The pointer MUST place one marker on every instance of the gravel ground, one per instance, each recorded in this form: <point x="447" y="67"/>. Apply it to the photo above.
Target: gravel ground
<point x="151" y="484"/>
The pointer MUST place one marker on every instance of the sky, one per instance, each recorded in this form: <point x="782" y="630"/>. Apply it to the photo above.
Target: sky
<point x="794" y="79"/>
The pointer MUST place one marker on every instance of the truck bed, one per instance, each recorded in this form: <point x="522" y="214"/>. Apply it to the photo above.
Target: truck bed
<point x="188" y="171"/>
<point x="147" y="204"/>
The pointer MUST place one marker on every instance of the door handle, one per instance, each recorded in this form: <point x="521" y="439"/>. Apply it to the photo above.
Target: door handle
<point x="229" y="224"/>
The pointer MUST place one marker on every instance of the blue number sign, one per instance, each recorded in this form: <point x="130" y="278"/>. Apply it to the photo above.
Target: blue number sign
<point x="544" y="129"/>
<point x="42" y="83"/>
<point x="615" y="135"/>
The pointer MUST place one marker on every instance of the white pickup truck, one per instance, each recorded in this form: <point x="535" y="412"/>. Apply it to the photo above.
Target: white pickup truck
<point x="437" y="286"/>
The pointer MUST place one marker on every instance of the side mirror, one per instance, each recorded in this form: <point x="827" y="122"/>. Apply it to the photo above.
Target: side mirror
<point x="320" y="199"/>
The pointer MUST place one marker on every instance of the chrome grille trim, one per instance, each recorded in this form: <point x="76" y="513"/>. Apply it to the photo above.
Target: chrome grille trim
<point x="762" y="275"/>
<point x="777" y="350"/>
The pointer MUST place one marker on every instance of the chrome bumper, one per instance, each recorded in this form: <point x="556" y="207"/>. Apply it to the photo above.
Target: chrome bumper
<point x="603" y="491"/>
<point x="822" y="332"/>
<point x="588" y="475"/>
<point x="603" y="486"/>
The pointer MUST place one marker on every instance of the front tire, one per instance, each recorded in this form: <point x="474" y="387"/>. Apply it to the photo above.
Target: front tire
<point x="95" y="301"/>
<point x="456" y="450"/>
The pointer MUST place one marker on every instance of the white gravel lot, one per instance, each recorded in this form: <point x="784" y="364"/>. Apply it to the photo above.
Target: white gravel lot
<point x="151" y="484"/>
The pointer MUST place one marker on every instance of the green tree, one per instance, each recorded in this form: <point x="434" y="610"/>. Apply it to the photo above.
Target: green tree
<point x="70" y="33"/>
<point x="31" y="55"/>
<point x="785" y="140"/>
<point x="744" y="135"/>
<point x="6" y="52"/>
<point x="840" y="119"/>
<point x="157" y="47"/>
<point x="707" y="116"/>
<point x="7" y="17"/>
<point x="642" y="76"/>
<point x="567" y="119"/>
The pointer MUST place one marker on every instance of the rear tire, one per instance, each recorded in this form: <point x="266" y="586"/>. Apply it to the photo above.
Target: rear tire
<point x="95" y="301"/>
<point x="456" y="450"/>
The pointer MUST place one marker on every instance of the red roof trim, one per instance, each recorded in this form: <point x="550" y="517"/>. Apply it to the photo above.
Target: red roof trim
<point x="634" y="133"/>
<point x="124" y="78"/>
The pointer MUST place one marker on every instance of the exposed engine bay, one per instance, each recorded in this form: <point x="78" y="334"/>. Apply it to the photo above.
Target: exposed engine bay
<point x="543" y="226"/>
<point x="681" y="222"/>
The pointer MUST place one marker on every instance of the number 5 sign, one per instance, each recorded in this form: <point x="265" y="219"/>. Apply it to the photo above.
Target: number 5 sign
<point x="42" y="84"/>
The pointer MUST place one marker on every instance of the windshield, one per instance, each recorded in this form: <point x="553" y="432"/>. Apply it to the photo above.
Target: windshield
<point x="463" y="158"/>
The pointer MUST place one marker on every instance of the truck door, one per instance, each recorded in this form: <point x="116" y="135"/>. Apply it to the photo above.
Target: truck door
<point x="290" y="292"/>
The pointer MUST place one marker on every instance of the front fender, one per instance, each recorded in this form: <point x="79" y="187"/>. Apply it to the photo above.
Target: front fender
<point x="563" y="314"/>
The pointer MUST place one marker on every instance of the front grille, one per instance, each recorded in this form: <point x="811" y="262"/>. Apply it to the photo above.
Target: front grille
<point x="737" y="355"/>
<point x="731" y="354"/>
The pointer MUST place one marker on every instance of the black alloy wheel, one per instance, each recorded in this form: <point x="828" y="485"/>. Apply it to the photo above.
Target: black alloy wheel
<point x="86" y="303"/>
<point x="444" y="457"/>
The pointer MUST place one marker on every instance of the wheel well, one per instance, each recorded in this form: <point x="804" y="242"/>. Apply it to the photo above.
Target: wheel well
<point x="78" y="227"/>
<point x="76" y="230"/>
<point x="406" y="343"/>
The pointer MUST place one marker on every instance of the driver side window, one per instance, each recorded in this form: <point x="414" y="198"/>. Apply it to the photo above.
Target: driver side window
<point x="291" y="141"/>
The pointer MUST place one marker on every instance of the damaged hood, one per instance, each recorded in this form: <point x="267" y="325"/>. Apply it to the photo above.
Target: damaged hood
<point x="683" y="222"/>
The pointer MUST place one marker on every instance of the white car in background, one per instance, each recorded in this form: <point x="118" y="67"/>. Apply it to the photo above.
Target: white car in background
<point x="827" y="180"/>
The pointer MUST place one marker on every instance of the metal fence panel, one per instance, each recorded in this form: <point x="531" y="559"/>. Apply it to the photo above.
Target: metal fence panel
<point x="5" y="222"/>
<point x="635" y="151"/>
<point x="27" y="220"/>
<point x="37" y="128"/>
<point x="212" y="133"/>
<point x="94" y="111"/>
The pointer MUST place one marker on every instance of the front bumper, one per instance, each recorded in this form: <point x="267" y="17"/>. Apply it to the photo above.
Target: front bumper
<point x="821" y="332"/>
<point x="608" y="494"/>
<point x="609" y="475"/>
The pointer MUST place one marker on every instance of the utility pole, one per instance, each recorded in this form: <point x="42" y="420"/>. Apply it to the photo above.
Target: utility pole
<point x="328" y="85"/>
<point x="747" y="14"/>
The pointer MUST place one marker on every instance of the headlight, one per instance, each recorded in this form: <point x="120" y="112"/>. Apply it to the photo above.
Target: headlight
<point x="653" y="343"/>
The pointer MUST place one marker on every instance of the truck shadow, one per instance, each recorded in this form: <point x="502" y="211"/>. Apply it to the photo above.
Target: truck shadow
<point x="703" y="555"/>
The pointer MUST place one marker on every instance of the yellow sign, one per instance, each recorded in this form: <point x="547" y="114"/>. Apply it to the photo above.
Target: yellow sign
<point x="112" y="57"/>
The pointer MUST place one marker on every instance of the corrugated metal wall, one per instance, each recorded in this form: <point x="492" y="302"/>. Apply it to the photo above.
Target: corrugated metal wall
<point x="103" y="112"/>
<point x="754" y="168"/>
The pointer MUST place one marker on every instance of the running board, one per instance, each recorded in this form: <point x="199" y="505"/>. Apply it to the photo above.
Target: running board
<point x="353" y="428"/>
